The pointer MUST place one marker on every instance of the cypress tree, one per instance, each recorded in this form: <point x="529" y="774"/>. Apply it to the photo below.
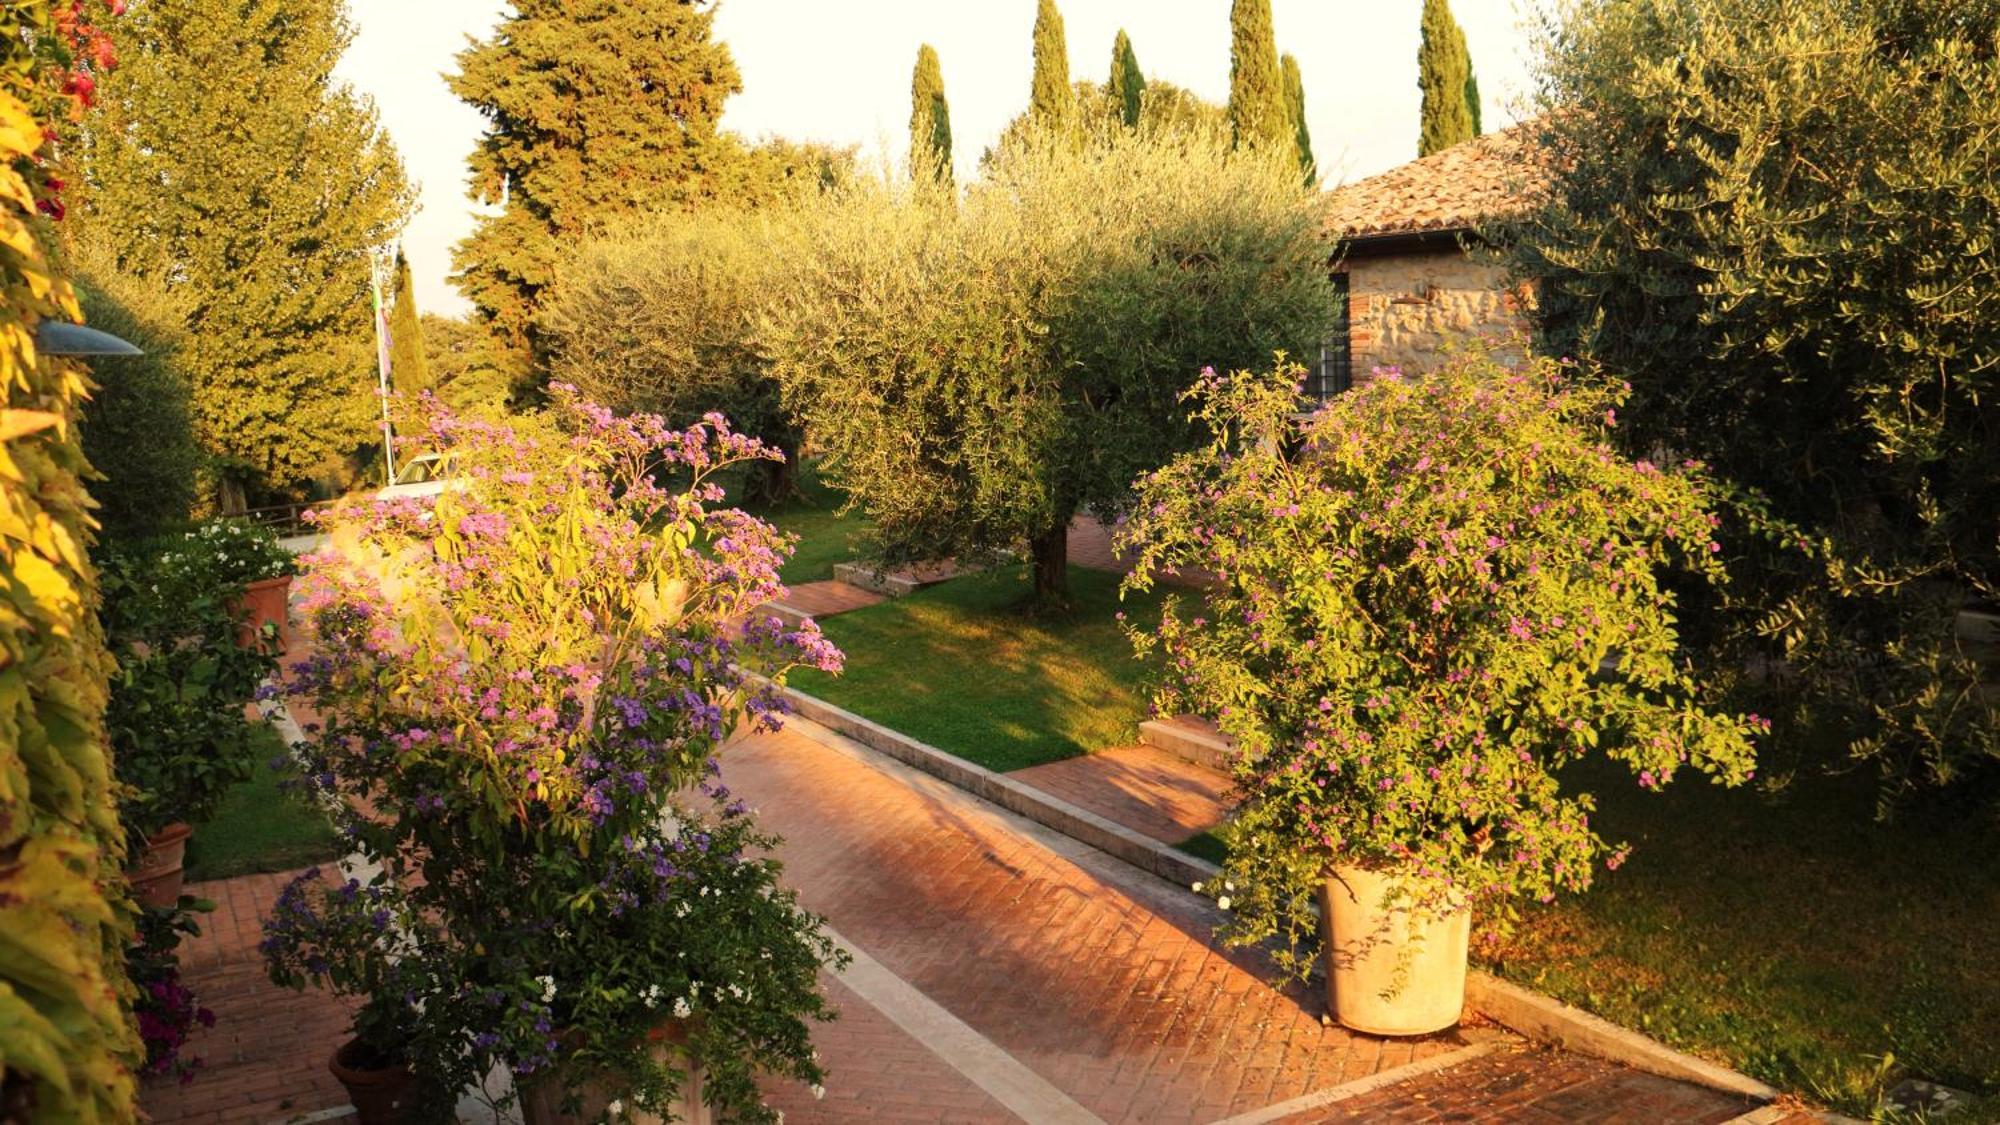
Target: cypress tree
<point x="930" y="121"/>
<point x="409" y="371"/>
<point x="225" y="162"/>
<point x="1444" y="74"/>
<point x="1295" y="111"/>
<point x="1052" y="101"/>
<point x="1256" y="87"/>
<point x="1471" y="87"/>
<point x="594" y="109"/>
<point x="1127" y="82"/>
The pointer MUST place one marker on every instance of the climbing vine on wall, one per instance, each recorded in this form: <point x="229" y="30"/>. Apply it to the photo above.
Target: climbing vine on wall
<point x="66" y="1045"/>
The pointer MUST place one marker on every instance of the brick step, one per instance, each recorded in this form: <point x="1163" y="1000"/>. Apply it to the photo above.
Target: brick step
<point x="820" y="599"/>
<point x="1190" y="739"/>
<point x="1154" y="793"/>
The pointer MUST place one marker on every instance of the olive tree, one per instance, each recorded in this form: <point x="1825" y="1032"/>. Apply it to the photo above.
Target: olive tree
<point x="658" y="316"/>
<point x="978" y="376"/>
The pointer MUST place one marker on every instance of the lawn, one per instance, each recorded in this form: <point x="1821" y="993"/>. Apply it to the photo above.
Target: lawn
<point x="261" y="827"/>
<point x="961" y="667"/>
<point x="1787" y="935"/>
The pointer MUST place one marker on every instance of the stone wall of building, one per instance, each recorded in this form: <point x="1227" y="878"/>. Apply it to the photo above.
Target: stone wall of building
<point x="1404" y="309"/>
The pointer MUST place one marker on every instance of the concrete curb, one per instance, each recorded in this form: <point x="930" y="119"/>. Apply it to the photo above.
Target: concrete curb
<point x="1552" y="1021"/>
<point x="1520" y="1010"/>
<point x="1079" y="824"/>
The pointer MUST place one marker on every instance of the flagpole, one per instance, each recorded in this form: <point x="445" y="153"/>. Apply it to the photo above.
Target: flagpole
<point x="382" y="365"/>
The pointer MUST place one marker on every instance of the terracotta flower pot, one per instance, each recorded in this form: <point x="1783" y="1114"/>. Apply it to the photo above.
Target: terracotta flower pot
<point x="263" y="601"/>
<point x="380" y="1095"/>
<point x="542" y="1097"/>
<point x="155" y="871"/>
<point x="1390" y="972"/>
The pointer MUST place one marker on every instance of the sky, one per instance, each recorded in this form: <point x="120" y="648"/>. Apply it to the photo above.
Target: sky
<point x="839" y="71"/>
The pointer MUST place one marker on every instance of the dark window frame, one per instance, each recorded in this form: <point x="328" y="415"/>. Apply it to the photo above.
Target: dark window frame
<point x="1334" y="371"/>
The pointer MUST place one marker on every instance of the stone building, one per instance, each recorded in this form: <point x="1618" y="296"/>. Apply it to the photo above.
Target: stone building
<point x="1404" y="260"/>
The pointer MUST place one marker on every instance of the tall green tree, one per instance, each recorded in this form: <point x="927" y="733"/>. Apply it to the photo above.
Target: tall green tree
<point x="1127" y="84"/>
<point x="225" y="160"/>
<point x="1774" y="218"/>
<point x="1444" y="74"/>
<point x="1257" y="115"/>
<point x="930" y="121"/>
<point x="1052" y="105"/>
<point x="409" y="369"/>
<point x="1295" y="111"/>
<point x="594" y="109"/>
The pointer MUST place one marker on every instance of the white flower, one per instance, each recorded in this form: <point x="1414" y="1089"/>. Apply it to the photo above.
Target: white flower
<point x="681" y="1008"/>
<point x="1197" y="888"/>
<point x="1223" y="902"/>
<point x="1228" y="886"/>
<point x="615" y="1108"/>
<point x="652" y="996"/>
<point x="819" y="1091"/>
<point x="548" y="988"/>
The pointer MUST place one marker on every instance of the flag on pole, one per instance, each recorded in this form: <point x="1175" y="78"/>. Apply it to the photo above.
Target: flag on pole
<point x="382" y="345"/>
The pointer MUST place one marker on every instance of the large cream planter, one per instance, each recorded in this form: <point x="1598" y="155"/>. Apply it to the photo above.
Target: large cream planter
<point x="1389" y="973"/>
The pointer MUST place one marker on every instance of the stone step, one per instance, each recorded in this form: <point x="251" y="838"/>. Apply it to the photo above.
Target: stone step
<point x="896" y="582"/>
<point x="1190" y="739"/>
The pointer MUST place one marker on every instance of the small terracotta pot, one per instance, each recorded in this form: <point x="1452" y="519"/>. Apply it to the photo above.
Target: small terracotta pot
<point x="1390" y="971"/>
<point x="264" y="601"/>
<point x="155" y="871"/>
<point x="381" y="1096"/>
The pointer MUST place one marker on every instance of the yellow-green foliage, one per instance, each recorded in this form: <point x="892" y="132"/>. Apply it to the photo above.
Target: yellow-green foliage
<point x="977" y="375"/>
<point x="66" y="1050"/>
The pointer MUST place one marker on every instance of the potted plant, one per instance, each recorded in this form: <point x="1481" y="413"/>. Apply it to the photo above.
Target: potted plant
<point x="163" y="1007"/>
<point x="176" y="718"/>
<point x="248" y="559"/>
<point x="355" y="940"/>
<point x="515" y="677"/>
<point x="1430" y="596"/>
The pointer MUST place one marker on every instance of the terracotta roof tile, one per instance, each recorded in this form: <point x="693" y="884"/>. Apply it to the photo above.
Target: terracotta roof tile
<point x="1479" y="179"/>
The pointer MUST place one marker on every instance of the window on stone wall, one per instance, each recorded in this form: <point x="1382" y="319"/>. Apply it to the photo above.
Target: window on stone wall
<point x="1334" y="372"/>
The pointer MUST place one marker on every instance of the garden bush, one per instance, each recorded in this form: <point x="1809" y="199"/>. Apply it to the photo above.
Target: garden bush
<point x="137" y="429"/>
<point x="1774" y="217"/>
<point x="518" y="680"/>
<point x="1428" y="597"/>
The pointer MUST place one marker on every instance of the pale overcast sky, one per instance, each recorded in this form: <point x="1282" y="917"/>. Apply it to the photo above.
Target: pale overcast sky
<point x="839" y="71"/>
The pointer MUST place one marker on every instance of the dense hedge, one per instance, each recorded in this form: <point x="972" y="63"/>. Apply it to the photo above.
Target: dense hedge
<point x="137" y="431"/>
<point x="67" y="1052"/>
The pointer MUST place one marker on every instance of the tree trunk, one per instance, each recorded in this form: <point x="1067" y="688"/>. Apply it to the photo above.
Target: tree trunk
<point x="1051" y="549"/>
<point x="771" y="482"/>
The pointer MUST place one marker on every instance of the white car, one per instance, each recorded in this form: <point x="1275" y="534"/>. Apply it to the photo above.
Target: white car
<point x="424" y="475"/>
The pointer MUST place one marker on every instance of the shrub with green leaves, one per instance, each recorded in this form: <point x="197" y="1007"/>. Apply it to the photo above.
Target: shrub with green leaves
<point x="1775" y="218"/>
<point x="1428" y="597"/>
<point x="137" y="427"/>
<point x="179" y="737"/>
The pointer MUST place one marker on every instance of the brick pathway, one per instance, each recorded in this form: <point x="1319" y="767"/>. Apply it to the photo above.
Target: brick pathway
<point x="1099" y="979"/>
<point x="1003" y="967"/>
<point x="265" y="1058"/>
<point x="1145" y="789"/>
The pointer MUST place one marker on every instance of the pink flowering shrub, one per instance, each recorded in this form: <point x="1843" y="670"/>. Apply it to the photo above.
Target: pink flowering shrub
<point x="1429" y="596"/>
<point x="519" y="683"/>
